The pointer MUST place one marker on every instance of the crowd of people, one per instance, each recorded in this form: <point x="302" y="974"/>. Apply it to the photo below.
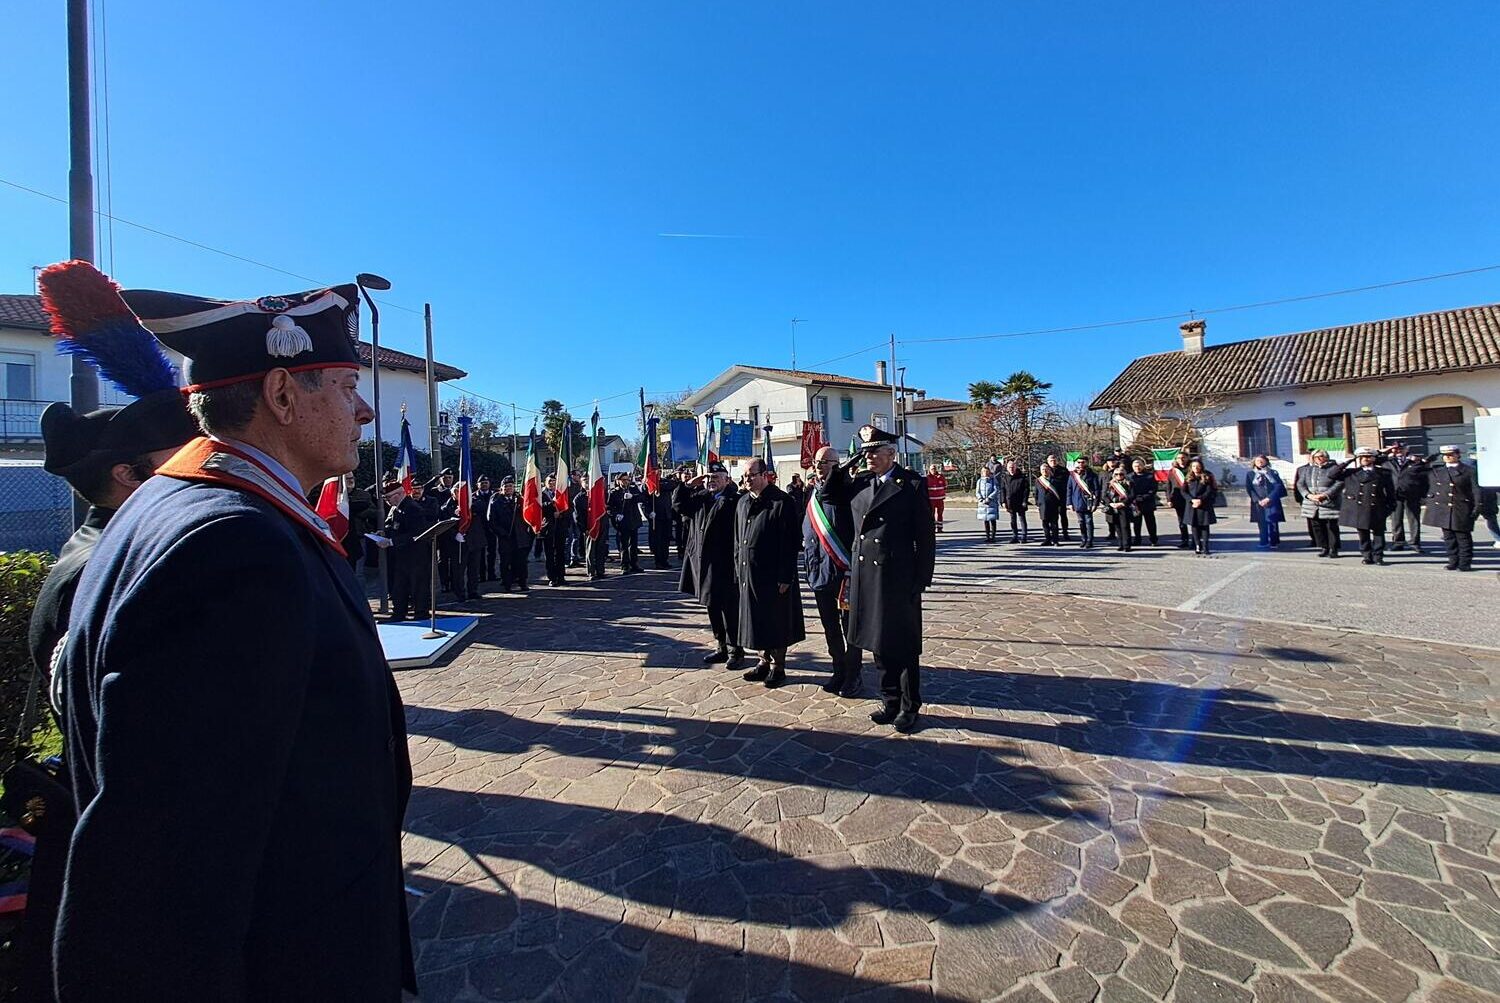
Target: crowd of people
<point x="1386" y="496"/>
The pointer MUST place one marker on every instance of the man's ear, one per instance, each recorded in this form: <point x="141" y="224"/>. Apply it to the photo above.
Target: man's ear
<point x="122" y="476"/>
<point x="278" y="392"/>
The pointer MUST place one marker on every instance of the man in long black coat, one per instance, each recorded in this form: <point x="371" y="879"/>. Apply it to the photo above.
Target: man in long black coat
<point x="767" y="540"/>
<point x="578" y="503"/>
<point x="707" y="504"/>
<point x="891" y="565"/>
<point x="1368" y="498"/>
<point x="481" y="510"/>
<point x="659" y="534"/>
<point x="258" y="856"/>
<point x="625" y="513"/>
<point x="1452" y="505"/>
<point x="410" y="558"/>
<point x="513" y="536"/>
<point x="555" y="529"/>
<point x="1057" y="476"/>
<point x="440" y="495"/>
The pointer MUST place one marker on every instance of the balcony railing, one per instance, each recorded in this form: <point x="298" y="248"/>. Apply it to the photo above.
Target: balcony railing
<point x="21" y="421"/>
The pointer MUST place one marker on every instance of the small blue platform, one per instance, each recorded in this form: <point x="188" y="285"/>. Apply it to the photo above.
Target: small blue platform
<point x="406" y="648"/>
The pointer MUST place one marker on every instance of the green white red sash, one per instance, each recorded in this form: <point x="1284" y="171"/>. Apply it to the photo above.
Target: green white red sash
<point x="1082" y="484"/>
<point x="1119" y="488"/>
<point x="1047" y="483"/>
<point x="822" y="527"/>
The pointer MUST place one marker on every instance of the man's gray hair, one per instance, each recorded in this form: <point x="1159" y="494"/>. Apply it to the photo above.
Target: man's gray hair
<point x="228" y="409"/>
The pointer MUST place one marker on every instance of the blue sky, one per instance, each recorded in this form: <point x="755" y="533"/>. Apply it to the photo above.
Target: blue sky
<point x="955" y="171"/>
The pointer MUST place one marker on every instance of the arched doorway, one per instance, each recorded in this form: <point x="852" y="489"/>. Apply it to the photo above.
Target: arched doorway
<point x="1434" y="421"/>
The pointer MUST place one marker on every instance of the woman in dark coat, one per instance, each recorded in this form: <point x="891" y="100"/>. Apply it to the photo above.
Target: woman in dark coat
<point x="1120" y="500"/>
<point x="767" y="544"/>
<point x="1050" y="505"/>
<point x="1143" y="487"/>
<point x="1266" y="490"/>
<point x="1015" y="495"/>
<point x="1199" y="490"/>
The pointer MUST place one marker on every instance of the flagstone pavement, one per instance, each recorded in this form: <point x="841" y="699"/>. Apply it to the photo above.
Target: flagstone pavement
<point x="1106" y="802"/>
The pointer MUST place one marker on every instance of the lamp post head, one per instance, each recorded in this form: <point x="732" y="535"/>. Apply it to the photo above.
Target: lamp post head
<point x="369" y="280"/>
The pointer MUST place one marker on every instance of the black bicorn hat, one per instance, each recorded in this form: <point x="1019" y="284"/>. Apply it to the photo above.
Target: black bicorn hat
<point x="717" y="468"/>
<point x="871" y="437"/>
<point x="230" y="341"/>
<point x="80" y="446"/>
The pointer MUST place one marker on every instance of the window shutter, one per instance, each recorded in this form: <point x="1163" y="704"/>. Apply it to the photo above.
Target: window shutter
<point x="1244" y="441"/>
<point x="1304" y="433"/>
<point x="1348" y="433"/>
<point x="1270" y="436"/>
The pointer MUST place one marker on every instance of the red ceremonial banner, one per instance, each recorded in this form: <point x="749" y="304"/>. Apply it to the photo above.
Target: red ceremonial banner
<point x="812" y="441"/>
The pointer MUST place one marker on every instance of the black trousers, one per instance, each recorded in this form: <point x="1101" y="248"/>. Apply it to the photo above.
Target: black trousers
<point x="1111" y="520"/>
<point x="1062" y="518"/>
<point x="1406" y="520"/>
<point x="597" y="552"/>
<point x="679" y="530"/>
<point x="1181" y="509"/>
<point x="1312" y="535"/>
<point x="630" y="549"/>
<point x="660" y="538"/>
<point x="1018" y="530"/>
<point x="473" y="561"/>
<point x="989" y="530"/>
<point x="513" y="560"/>
<point x="724" y="619"/>
<point x="1122" y="529"/>
<point x="1460" y="547"/>
<point x="1326" y="535"/>
<point x="1372" y="544"/>
<point x="848" y="662"/>
<point x="1200" y="538"/>
<point x="553" y="545"/>
<point x="900" y="682"/>
<point x="450" y="574"/>
<point x="411" y="580"/>
<point x="491" y="553"/>
<point x="1147" y="516"/>
<point x="1086" y="527"/>
<point x="1050" y="531"/>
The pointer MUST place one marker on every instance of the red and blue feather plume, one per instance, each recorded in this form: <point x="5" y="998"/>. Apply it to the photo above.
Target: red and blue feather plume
<point x="91" y="320"/>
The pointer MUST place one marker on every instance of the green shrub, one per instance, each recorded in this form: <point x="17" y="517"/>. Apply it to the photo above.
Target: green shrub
<point x="21" y="575"/>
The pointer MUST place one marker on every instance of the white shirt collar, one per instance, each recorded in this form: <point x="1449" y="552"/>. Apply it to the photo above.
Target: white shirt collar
<point x="275" y="466"/>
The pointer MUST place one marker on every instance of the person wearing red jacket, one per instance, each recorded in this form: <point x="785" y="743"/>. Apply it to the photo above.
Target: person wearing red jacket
<point x="937" y="492"/>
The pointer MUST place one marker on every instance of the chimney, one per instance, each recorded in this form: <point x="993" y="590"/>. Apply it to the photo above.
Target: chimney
<point x="921" y="395"/>
<point x="880" y="371"/>
<point x="1192" y="336"/>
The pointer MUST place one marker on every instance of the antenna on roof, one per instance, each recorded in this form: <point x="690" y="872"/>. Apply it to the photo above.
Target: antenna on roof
<point x="795" y="321"/>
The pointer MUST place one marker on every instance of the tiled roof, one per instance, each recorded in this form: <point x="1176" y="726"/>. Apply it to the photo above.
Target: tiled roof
<point x="1425" y="344"/>
<point x="23" y="311"/>
<point x="935" y="404"/>
<point x="827" y="379"/>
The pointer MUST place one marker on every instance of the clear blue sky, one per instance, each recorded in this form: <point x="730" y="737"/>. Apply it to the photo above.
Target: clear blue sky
<point x="990" y="168"/>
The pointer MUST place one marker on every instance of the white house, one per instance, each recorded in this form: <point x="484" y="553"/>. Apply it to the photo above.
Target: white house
<point x="35" y="375"/>
<point x="1419" y="380"/>
<point x="786" y="398"/>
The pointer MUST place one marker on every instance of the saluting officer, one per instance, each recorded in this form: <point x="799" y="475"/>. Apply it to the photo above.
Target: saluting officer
<point x="1452" y="504"/>
<point x="706" y="503"/>
<point x="1368" y="499"/>
<point x="892" y="564"/>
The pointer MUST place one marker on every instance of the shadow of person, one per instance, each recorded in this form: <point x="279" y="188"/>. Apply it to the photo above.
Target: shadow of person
<point x="992" y="779"/>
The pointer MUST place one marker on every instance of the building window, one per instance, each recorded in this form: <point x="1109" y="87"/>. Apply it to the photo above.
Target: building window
<point x="945" y="422"/>
<point x="820" y="412"/>
<point x="1325" y="431"/>
<point x="754" y="413"/>
<point x="846" y="409"/>
<point x="1442" y="415"/>
<point x="20" y="371"/>
<point x="881" y="421"/>
<point x="1258" y="437"/>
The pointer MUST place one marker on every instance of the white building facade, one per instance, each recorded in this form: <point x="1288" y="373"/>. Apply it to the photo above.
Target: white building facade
<point x="1420" y="380"/>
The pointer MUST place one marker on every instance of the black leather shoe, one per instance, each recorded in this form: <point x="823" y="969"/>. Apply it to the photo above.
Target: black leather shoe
<point x="722" y="655"/>
<point x="851" y="691"/>
<point x="775" y="679"/>
<point x="886" y="714"/>
<point x="831" y="687"/>
<point x="736" y="657"/>
<point x="906" y="722"/>
<point x="757" y="674"/>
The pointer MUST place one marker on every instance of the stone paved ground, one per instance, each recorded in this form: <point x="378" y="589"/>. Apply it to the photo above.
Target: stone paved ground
<point x="1107" y="802"/>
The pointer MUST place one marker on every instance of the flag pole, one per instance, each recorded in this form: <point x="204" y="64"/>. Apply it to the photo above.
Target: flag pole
<point x="436" y="451"/>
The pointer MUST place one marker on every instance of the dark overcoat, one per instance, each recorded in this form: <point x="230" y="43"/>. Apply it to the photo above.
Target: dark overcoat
<point x="1048" y="503"/>
<point x="1368" y="498"/>
<point x="708" y="562"/>
<point x="238" y="750"/>
<point x="1204" y="491"/>
<point x="892" y="560"/>
<point x="1015" y="491"/>
<point x="1143" y="489"/>
<point x="1452" y="497"/>
<point x="1265" y="485"/>
<point x="49" y="618"/>
<point x="505" y="521"/>
<point x="625" y="508"/>
<point x="767" y="542"/>
<point x="405" y="522"/>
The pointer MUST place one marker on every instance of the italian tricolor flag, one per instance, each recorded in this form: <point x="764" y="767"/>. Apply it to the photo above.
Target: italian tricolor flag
<point x="531" y="489"/>
<point x="597" y="487"/>
<point x="1161" y="461"/>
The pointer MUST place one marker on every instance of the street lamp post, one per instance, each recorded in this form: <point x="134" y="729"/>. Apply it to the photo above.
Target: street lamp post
<point x="366" y="282"/>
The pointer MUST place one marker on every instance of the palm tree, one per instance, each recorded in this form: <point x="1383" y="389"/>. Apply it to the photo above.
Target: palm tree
<point x="1026" y="392"/>
<point x="983" y="393"/>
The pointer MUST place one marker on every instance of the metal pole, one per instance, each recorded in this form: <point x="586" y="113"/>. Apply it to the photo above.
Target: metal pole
<point x="514" y="456"/>
<point x="900" y="443"/>
<point x="379" y="451"/>
<point x="83" y="382"/>
<point x="435" y="448"/>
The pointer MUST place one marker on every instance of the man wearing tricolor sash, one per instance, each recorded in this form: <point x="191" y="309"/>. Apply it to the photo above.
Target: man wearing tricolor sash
<point x="827" y="530"/>
<point x="1083" y="498"/>
<point x="258" y="854"/>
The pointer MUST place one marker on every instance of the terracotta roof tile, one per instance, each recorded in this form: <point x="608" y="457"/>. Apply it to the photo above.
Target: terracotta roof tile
<point x="23" y="311"/>
<point x="935" y="404"/>
<point x="1444" y="341"/>
<point x="828" y="379"/>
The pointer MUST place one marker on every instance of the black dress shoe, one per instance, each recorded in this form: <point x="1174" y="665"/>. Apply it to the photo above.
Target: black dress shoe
<point x="757" y="674"/>
<point x="886" y="714"/>
<point x="851" y="691"/>
<point x="906" y="722"/>
<point x="722" y="655"/>
<point x="1367" y="560"/>
<point x="831" y="687"/>
<point x="736" y="656"/>
<point x="775" y="679"/>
